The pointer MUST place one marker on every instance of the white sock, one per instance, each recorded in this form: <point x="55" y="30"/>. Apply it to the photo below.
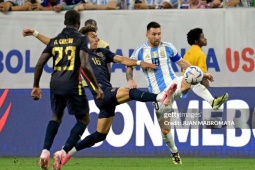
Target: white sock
<point x="202" y="92"/>
<point x="159" y="97"/>
<point x="72" y="151"/>
<point x="168" y="139"/>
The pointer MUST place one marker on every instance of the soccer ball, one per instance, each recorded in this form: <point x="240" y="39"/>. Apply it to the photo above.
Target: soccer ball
<point x="193" y="75"/>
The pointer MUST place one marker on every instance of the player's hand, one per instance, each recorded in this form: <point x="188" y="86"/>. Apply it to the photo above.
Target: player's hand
<point x="27" y="32"/>
<point x="146" y="65"/>
<point x="100" y="94"/>
<point x="36" y="93"/>
<point x="4" y="7"/>
<point x="208" y="77"/>
<point x="57" y="8"/>
<point x="132" y="84"/>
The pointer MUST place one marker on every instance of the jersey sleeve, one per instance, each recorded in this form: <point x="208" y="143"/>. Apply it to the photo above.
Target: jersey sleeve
<point x="135" y="54"/>
<point x="175" y="56"/>
<point x="108" y="54"/>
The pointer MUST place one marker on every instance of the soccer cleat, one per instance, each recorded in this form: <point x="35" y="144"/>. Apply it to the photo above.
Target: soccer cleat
<point x="218" y="101"/>
<point x="168" y="93"/>
<point x="57" y="160"/>
<point x="65" y="159"/>
<point x="44" y="161"/>
<point x="176" y="158"/>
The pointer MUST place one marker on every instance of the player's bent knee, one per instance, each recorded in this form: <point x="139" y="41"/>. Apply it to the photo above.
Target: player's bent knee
<point x="57" y="118"/>
<point x="165" y="131"/>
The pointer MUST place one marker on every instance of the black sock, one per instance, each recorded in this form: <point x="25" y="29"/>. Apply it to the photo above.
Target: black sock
<point x="142" y="96"/>
<point x="74" y="136"/>
<point x="90" y="140"/>
<point x="52" y="130"/>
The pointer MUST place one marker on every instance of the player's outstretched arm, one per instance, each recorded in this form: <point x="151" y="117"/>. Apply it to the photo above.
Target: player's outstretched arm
<point x="129" y="75"/>
<point x="131" y="62"/>
<point x="209" y="77"/>
<point x="29" y="32"/>
<point x="183" y="64"/>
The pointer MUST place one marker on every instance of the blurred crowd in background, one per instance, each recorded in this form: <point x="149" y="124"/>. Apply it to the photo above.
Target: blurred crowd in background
<point x="80" y="5"/>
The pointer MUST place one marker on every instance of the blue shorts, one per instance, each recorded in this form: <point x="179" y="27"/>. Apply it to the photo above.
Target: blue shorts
<point x="76" y="104"/>
<point x="108" y="104"/>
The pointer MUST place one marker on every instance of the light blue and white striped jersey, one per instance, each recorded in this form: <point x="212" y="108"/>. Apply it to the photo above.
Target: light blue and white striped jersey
<point x="159" y="78"/>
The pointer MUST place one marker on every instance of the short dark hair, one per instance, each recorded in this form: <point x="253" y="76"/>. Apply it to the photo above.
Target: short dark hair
<point x="89" y="28"/>
<point x="90" y="22"/>
<point x="194" y="35"/>
<point x="153" y="25"/>
<point x="72" y="18"/>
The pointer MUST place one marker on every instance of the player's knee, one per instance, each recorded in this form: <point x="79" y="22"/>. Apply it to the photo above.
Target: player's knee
<point x="57" y="118"/>
<point x="84" y="120"/>
<point x="98" y="137"/>
<point x="165" y="131"/>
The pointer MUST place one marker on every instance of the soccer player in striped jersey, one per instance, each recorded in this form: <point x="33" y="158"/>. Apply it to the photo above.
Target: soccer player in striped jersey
<point x="162" y="54"/>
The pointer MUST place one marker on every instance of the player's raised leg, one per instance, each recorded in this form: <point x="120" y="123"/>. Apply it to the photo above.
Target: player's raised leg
<point x="205" y="94"/>
<point x="125" y="94"/>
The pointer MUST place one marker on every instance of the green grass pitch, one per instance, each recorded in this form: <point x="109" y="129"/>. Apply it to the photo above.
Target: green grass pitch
<point x="85" y="163"/>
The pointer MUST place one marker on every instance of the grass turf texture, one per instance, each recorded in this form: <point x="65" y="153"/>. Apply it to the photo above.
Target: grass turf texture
<point x="21" y="163"/>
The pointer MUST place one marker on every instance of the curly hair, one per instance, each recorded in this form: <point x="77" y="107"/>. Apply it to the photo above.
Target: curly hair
<point x="89" y="28"/>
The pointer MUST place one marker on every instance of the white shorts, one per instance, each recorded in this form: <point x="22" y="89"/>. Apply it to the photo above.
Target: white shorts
<point x="161" y="108"/>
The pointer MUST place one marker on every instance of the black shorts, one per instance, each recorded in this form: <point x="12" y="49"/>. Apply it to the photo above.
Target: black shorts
<point x="108" y="104"/>
<point x="76" y="104"/>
